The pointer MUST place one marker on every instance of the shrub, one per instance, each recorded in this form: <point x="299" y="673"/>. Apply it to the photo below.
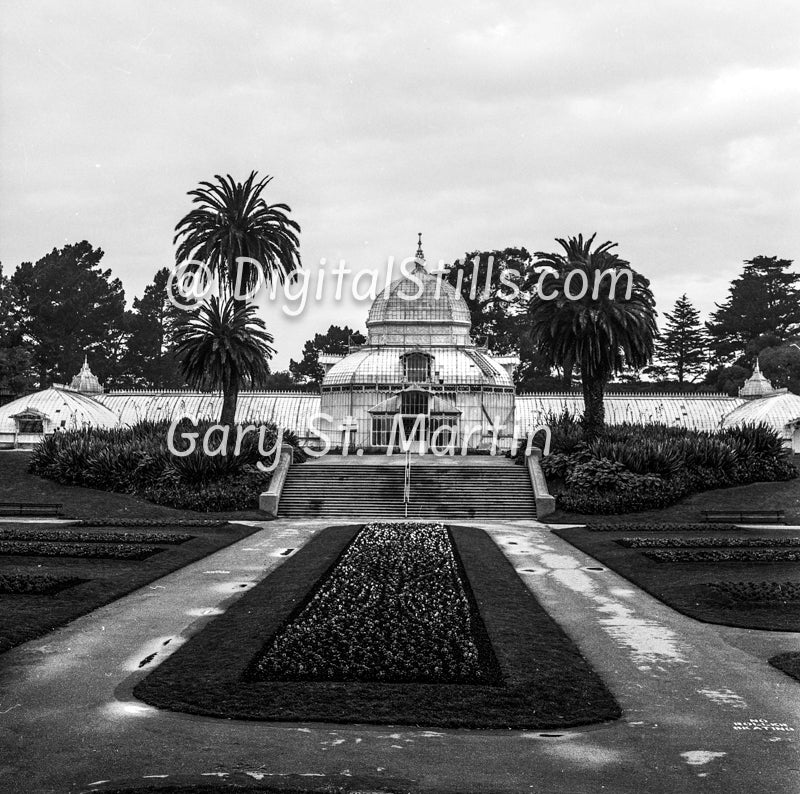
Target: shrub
<point x="136" y="460"/>
<point x="601" y="476"/>
<point x="646" y="456"/>
<point x="236" y="492"/>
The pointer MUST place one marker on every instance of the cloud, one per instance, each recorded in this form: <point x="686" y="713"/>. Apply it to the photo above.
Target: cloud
<point x="669" y="127"/>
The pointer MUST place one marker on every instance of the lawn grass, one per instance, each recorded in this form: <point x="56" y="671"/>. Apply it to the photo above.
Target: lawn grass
<point x="756" y="496"/>
<point x="544" y="681"/>
<point x="788" y="663"/>
<point x="26" y="615"/>
<point x="685" y="586"/>
<point x="18" y="485"/>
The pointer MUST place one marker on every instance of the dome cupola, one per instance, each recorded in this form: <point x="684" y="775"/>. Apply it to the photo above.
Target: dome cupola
<point x="420" y="308"/>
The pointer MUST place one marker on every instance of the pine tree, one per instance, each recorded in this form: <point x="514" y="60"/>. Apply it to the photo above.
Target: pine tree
<point x="335" y="340"/>
<point x="683" y="344"/>
<point x="763" y="300"/>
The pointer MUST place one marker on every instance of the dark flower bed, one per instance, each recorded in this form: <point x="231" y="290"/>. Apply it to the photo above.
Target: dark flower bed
<point x="758" y="592"/>
<point x="725" y="555"/>
<point x="151" y="522"/>
<point x="76" y="536"/>
<point x="41" y="584"/>
<point x="635" y="467"/>
<point x="659" y="527"/>
<point x="395" y="608"/>
<point x="717" y="541"/>
<point x="115" y="551"/>
<point x="136" y="460"/>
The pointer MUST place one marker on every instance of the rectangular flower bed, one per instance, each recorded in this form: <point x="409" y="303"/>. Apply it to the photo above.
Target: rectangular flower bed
<point x="395" y="608"/>
<point x="542" y="680"/>
<point x="33" y="584"/>
<point x="712" y="542"/>
<point x="94" y="536"/>
<point x="115" y="551"/>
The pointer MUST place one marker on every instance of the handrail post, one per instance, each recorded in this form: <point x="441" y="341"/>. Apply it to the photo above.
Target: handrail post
<point x="407" y="482"/>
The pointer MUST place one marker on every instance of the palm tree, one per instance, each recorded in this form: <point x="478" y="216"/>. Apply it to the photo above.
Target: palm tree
<point x="601" y="335"/>
<point x="232" y="219"/>
<point x="223" y="346"/>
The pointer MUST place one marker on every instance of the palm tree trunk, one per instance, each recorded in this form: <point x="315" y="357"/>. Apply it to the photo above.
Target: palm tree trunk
<point x="569" y="366"/>
<point x="594" y="412"/>
<point x="230" y="396"/>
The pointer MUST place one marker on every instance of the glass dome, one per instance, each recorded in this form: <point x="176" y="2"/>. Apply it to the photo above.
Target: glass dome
<point x="420" y="308"/>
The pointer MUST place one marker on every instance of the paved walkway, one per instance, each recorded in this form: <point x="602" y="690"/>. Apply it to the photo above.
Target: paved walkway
<point x="702" y="709"/>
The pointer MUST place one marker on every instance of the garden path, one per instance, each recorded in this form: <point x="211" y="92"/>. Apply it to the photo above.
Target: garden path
<point x="702" y="709"/>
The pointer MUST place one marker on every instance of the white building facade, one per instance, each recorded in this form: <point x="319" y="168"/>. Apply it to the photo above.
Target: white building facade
<point x="419" y="378"/>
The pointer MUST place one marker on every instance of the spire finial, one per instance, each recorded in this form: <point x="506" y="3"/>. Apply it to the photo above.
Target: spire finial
<point x="758" y="367"/>
<point x="420" y="255"/>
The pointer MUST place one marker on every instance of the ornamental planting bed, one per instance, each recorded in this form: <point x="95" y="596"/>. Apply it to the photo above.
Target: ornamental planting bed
<point x="95" y="536"/>
<point x="46" y="583"/>
<point x="724" y="555"/>
<point x="671" y="528"/>
<point x="395" y="608"/>
<point x="404" y="624"/>
<point x="112" y="551"/>
<point x="689" y="574"/>
<point x="761" y="592"/>
<point x="723" y="541"/>
<point x="32" y="584"/>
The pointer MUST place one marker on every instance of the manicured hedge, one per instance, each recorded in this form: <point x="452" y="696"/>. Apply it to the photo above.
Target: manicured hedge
<point x="39" y="584"/>
<point x="116" y="551"/>
<point x="725" y="555"/>
<point x="717" y="541"/>
<point x="635" y="527"/>
<point x="76" y="536"/>
<point x="758" y="592"/>
<point x="151" y="522"/>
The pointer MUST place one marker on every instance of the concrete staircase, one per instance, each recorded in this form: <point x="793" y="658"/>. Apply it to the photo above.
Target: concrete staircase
<point x="497" y="491"/>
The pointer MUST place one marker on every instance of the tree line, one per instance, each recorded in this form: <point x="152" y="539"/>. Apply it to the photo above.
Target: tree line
<point x="66" y="304"/>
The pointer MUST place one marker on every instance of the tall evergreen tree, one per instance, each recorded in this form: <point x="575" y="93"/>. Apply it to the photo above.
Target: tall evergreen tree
<point x="69" y="306"/>
<point x="17" y="372"/>
<point x="150" y="360"/>
<point x="763" y="300"/>
<point x="497" y="312"/>
<point x="335" y="340"/>
<point x="682" y="346"/>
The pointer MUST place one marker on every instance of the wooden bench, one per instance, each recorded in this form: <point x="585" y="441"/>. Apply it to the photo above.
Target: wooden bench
<point x="744" y="516"/>
<point x="30" y="508"/>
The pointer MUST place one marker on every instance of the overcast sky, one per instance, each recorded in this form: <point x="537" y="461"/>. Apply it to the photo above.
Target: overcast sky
<point x="671" y="128"/>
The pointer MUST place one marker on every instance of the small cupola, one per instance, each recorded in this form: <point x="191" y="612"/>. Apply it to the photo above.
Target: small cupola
<point x="86" y="381"/>
<point x="756" y="386"/>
